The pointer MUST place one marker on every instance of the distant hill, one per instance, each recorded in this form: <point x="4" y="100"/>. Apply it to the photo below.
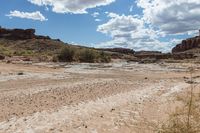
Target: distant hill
<point x="20" y="42"/>
<point x="25" y="43"/>
<point x="119" y="50"/>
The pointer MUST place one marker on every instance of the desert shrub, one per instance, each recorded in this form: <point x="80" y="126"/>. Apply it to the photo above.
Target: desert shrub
<point x="89" y="56"/>
<point x="19" y="53"/>
<point x="184" y="119"/>
<point x="55" y="59"/>
<point x="5" y="51"/>
<point x="23" y="53"/>
<point x="69" y="54"/>
<point x="66" y="55"/>
<point x="29" y="52"/>
<point x="104" y="57"/>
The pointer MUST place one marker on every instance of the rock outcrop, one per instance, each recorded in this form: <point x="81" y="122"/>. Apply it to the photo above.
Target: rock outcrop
<point x="159" y="55"/>
<point x="188" y="44"/>
<point x="147" y="53"/>
<point x="20" y="34"/>
<point x="119" y="50"/>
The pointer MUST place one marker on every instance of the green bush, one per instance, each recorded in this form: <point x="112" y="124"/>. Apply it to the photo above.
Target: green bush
<point x="23" y="53"/>
<point x="104" y="57"/>
<point x="67" y="54"/>
<point x="5" y="51"/>
<point x="88" y="56"/>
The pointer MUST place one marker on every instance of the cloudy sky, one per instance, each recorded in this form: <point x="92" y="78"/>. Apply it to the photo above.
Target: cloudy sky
<point x="137" y="24"/>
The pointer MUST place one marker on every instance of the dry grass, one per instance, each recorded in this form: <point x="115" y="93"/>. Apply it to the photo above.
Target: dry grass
<point x="186" y="118"/>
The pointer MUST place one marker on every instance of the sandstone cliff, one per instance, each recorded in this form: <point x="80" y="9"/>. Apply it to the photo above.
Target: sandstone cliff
<point x="187" y="44"/>
<point x="20" y="34"/>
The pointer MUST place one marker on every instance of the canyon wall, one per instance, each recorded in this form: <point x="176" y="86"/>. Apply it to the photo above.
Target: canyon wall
<point x="187" y="44"/>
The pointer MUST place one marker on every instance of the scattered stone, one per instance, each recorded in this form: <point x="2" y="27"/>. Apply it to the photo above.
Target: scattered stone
<point x="85" y="126"/>
<point x="112" y="110"/>
<point x="8" y="61"/>
<point x="20" y="73"/>
<point x="191" y="82"/>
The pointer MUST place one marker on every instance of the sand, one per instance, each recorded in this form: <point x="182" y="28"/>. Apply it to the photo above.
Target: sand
<point x="92" y="98"/>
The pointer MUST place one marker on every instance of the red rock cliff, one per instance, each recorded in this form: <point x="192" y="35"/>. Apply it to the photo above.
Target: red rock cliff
<point x="187" y="45"/>
<point x="20" y="34"/>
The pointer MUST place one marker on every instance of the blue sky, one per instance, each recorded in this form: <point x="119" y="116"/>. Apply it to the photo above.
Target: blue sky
<point x="136" y="24"/>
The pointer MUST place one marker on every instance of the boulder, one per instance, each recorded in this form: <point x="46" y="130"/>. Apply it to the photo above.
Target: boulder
<point x="2" y="57"/>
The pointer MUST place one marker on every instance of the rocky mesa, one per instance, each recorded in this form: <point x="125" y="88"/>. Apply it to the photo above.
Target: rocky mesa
<point x="20" y="34"/>
<point x="187" y="44"/>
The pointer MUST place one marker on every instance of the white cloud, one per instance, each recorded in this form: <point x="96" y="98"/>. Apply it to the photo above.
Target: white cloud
<point x="71" y="6"/>
<point x="130" y="32"/>
<point x="172" y="16"/>
<point x="175" y="41"/>
<point x="161" y="18"/>
<point x="97" y="20"/>
<point x="120" y="25"/>
<point x="46" y="8"/>
<point x="131" y="9"/>
<point x="27" y="15"/>
<point x="95" y="14"/>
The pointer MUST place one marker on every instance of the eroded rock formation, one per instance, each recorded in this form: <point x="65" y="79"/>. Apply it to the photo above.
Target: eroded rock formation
<point x="187" y="45"/>
<point x="20" y="34"/>
<point x="158" y="56"/>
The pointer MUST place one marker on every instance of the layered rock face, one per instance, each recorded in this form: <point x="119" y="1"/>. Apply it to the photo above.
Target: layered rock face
<point x="176" y="56"/>
<point x="187" y="45"/>
<point x="17" y="34"/>
<point x="138" y="53"/>
<point x="20" y="34"/>
<point x="119" y="50"/>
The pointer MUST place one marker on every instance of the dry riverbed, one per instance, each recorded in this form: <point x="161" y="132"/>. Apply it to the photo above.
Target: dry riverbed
<point x="89" y="98"/>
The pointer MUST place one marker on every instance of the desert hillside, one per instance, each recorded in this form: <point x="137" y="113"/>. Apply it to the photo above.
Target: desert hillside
<point x="25" y="45"/>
